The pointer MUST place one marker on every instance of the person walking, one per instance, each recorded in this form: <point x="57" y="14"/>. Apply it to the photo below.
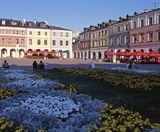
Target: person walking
<point x="34" y="65"/>
<point x="92" y="66"/>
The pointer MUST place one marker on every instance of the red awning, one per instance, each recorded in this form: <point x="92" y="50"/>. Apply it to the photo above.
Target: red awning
<point x="109" y="53"/>
<point x="138" y="53"/>
<point x="124" y="53"/>
<point x="40" y="52"/>
<point x="52" y="53"/>
<point x="153" y="54"/>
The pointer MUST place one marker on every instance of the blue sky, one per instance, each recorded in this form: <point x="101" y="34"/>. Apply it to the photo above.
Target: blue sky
<point x="72" y="14"/>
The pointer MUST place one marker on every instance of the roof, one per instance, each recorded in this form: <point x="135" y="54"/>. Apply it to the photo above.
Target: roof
<point x="28" y="24"/>
<point x="59" y="28"/>
<point x="147" y="11"/>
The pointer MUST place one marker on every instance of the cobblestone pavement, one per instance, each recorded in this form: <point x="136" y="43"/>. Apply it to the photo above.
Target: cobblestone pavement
<point x="26" y="64"/>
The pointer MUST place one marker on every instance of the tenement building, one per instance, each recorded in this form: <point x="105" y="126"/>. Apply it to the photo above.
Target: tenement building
<point x="83" y="45"/>
<point x="138" y="32"/>
<point x="18" y="37"/>
<point x="145" y="31"/>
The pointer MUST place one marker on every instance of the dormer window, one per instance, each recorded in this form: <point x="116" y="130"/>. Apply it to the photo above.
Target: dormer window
<point x="30" y="24"/>
<point x="13" y="23"/>
<point x="3" y="22"/>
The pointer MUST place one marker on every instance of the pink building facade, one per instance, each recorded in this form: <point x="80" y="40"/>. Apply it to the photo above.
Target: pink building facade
<point x="12" y="39"/>
<point x="145" y="31"/>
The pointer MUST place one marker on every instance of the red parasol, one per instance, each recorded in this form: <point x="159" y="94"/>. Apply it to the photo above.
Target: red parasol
<point x="109" y="53"/>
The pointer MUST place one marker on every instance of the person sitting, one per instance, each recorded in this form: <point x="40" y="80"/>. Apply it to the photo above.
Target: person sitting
<point x="35" y="65"/>
<point x="5" y="64"/>
<point x="41" y="65"/>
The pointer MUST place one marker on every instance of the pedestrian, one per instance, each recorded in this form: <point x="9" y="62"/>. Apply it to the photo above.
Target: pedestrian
<point x="5" y="64"/>
<point x="41" y="65"/>
<point x="134" y="64"/>
<point x="92" y="66"/>
<point x="34" y="65"/>
<point x="129" y="65"/>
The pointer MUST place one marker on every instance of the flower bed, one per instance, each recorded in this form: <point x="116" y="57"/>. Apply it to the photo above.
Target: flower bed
<point x="40" y="108"/>
<point x="2" y="80"/>
<point x="23" y="80"/>
<point x="70" y="88"/>
<point x="4" y="93"/>
<point x="55" y="112"/>
<point x="123" y="79"/>
<point x="6" y="126"/>
<point x="121" y="120"/>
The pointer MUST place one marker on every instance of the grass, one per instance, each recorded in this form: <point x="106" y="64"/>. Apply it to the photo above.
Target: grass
<point x="146" y="103"/>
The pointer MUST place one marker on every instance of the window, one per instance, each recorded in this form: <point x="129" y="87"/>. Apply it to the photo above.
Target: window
<point x="45" y="42"/>
<point x="94" y="35"/>
<point x="126" y="27"/>
<point x="17" y="41"/>
<point x="22" y="41"/>
<point x="9" y="31"/>
<point x="17" y="32"/>
<point x="39" y="33"/>
<point x="67" y="34"/>
<point x="3" y="40"/>
<point x="106" y="32"/>
<point x="54" y="34"/>
<point x="150" y="21"/>
<point x="158" y="36"/>
<point x="54" y="42"/>
<point x="3" y="31"/>
<point x="135" y="24"/>
<point x="61" y="34"/>
<point x="118" y="40"/>
<point x="102" y="33"/>
<point x="150" y="37"/>
<point x="142" y="23"/>
<point x="111" y="41"/>
<point x="22" y="32"/>
<point x="61" y="43"/>
<point x="141" y="38"/>
<point x="99" y="34"/>
<point x="9" y="41"/>
<point x="119" y="29"/>
<point x="126" y="39"/>
<point x="30" y="32"/>
<point x="45" y="33"/>
<point x="67" y="43"/>
<point x="134" y="39"/>
<point x="38" y="42"/>
<point x="30" y="41"/>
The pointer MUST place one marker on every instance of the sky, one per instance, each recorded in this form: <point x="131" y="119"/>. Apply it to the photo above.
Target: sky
<point x="72" y="14"/>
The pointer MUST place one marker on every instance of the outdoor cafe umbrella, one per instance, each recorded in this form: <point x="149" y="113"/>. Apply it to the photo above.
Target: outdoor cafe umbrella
<point x="109" y="53"/>
<point x="124" y="53"/>
<point x="138" y="53"/>
<point x="153" y="54"/>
